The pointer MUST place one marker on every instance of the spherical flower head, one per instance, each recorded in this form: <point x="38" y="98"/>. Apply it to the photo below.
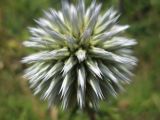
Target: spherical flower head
<point x="81" y="56"/>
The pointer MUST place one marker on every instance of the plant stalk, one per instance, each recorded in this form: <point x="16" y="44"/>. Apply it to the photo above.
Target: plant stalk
<point x="91" y="113"/>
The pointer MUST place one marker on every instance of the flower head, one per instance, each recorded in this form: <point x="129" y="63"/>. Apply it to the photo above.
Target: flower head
<point x="81" y="56"/>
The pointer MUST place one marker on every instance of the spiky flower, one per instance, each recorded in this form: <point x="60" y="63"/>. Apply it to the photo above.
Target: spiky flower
<point x="81" y="56"/>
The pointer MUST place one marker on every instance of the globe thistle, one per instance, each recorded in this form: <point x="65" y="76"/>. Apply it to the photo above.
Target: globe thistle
<point x="81" y="55"/>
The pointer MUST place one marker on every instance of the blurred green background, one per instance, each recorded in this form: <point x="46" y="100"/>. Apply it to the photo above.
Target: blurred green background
<point x="141" y="101"/>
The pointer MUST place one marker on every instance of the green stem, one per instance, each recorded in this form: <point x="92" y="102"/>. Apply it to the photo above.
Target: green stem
<point x="91" y="113"/>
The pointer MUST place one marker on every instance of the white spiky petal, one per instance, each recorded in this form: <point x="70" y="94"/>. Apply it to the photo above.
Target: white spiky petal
<point x="82" y="56"/>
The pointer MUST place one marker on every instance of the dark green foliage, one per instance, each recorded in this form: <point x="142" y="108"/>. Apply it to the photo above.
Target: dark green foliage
<point x="139" y="102"/>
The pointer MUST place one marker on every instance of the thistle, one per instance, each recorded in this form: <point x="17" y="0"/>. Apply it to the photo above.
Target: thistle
<point x="82" y="56"/>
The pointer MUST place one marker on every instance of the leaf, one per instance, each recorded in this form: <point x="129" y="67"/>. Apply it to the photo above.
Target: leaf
<point x="46" y="55"/>
<point x="66" y="12"/>
<point x="110" y="33"/>
<point x="107" y="16"/>
<point x="103" y="54"/>
<point x="108" y="73"/>
<point x="44" y="23"/>
<point x="94" y="18"/>
<point x="81" y="12"/>
<point x="74" y="20"/>
<point x="81" y="55"/>
<point x="93" y="67"/>
<point x="81" y="86"/>
<point x="55" y="69"/>
<point x="106" y="26"/>
<point x="66" y="89"/>
<point x="71" y="42"/>
<point x="52" y="85"/>
<point x="121" y="76"/>
<point x="68" y="65"/>
<point x="96" y="87"/>
<point x="34" y="44"/>
<point x="118" y="42"/>
<point x="90" y="11"/>
<point x="85" y="36"/>
<point x="37" y="77"/>
<point x="56" y="19"/>
<point x="58" y="37"/>
<point x="37" y="32"/>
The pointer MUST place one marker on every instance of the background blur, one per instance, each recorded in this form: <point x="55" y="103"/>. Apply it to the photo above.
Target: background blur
<point x="141" y="101"/>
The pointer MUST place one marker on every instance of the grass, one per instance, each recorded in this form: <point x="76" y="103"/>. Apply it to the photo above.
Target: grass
<point x="139" y="102"/>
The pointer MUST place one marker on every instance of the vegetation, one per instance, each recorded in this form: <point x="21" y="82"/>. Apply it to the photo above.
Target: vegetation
<point x="139" y="102"/>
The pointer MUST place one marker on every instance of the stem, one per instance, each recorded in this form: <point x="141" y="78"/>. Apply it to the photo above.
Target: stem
<point x="91" y="113"/>
<point x="121" y="6"/>
<point x="52" y="113"/>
